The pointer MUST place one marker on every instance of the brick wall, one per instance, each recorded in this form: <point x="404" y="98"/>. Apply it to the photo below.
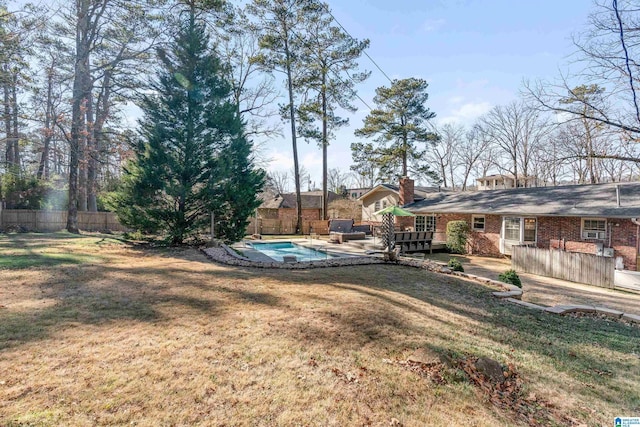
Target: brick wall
<point x="485" y="243"/>
<point x="552" y="233"/>
<point x="565" y="233"/>
<point x="406" y="191"/>
<point x="404" y="223"/>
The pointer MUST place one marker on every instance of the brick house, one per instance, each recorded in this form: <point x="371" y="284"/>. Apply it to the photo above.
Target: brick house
<point x="283" y="206"/>
<point x="600" y="219"/>
<point x="500" y="181"/>
<point x="384" y="195"/>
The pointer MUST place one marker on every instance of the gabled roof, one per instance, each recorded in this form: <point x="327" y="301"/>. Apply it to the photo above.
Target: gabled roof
<point x="595" y="200"/>
<point x="419" y="192"/>
<point x="310" y="200"/>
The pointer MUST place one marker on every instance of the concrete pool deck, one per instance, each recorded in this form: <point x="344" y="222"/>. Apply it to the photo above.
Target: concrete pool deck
<point x="347" y="249"/>
<point x="350" y="248"/>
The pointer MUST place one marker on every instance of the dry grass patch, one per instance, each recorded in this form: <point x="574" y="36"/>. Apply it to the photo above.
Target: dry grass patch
<point x="164" y="337"/>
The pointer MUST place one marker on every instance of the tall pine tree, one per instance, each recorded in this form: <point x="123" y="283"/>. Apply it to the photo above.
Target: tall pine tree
<point x="192" y="157"/>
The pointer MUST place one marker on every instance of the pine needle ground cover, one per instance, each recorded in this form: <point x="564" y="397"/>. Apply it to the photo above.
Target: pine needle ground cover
<point x="123" y="334"/>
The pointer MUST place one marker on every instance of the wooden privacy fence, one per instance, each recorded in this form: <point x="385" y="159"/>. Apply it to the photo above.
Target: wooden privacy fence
<point x="573" y="266"/>
<point x="285" y="226"/>
<point x="33" y="220"/>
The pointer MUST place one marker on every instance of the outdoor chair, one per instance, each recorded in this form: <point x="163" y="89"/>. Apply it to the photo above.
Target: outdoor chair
<point x="413" y="241"/>
<point x="342" y="230"/>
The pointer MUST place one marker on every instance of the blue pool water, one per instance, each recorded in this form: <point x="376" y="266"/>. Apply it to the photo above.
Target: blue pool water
<point x="277" y="251"/>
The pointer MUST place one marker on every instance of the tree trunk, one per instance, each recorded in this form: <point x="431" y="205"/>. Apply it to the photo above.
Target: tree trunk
<point x="49" y="124"/>
<point x="325" y="142"/>
<point x="7" y="117"/>
<point x="292" y="117"/>
<point x="90" y="156"/>
<point x="77" y="113"/>
<point x="14" y="111"/>
<point x="102" y="112"/>
<point x="405" y="148"/>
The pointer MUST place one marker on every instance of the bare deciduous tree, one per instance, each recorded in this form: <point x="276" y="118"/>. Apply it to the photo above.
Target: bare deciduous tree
<point x="608" y="53"/>
<point x="515" y="129"/>
<point x="279" y="181"/>
<point x="446" y="152"/>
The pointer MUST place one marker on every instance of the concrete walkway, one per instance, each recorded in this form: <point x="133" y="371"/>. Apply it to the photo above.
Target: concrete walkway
<point x="549" y="291"/>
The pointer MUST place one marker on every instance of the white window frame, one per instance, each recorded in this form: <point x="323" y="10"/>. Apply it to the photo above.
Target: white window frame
<point x="473" y="223"/>
<point x="521" y="233"/>
<point x="591" y="233"/>
<point x="429" y="225"/>
<point x="376" y="206"/>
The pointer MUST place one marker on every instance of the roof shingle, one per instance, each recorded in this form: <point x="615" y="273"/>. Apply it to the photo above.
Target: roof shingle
<point x="598" y="200"/>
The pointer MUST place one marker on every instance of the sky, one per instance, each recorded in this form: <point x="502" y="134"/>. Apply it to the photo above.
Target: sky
<point x="474" y="54"/>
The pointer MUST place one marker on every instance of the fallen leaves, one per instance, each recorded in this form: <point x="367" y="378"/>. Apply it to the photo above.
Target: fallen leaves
<point x="348" y="377"/>
<point x="508" y="395"/>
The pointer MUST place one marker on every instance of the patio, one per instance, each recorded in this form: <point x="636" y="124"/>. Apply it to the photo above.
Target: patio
<point x="548" y="291"/>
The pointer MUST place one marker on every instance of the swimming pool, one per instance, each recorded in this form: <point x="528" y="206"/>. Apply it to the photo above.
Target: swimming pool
<point x="278" y="250"/>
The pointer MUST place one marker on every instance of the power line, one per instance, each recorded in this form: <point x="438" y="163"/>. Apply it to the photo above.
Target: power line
<point x="326" y="5"/>
<point x="353" y="92"/>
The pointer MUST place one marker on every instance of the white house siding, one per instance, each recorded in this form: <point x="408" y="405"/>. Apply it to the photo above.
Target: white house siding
<point x="369" y="203"/>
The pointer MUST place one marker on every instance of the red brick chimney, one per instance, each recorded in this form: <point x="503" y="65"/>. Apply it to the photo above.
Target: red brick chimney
<point x="406" y="191"/>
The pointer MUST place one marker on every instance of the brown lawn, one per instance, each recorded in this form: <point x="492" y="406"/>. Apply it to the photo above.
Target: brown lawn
<point x="95" y="331"/>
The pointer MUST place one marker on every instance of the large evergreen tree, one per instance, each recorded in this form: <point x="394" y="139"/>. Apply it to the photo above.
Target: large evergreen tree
<point x="327" y="76"/>
<point x="192" y="157"/>
<point x="278" y="23"/>
<point x="399" y="125"/>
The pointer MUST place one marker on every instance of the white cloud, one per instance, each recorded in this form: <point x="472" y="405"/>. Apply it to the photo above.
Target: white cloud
<point x="432" y="25"/>
<point x="279" y="161"/>
<point x="467" y="113"/>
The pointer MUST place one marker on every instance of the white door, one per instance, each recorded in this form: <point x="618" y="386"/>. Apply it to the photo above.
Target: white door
<point x="517" y="231"/>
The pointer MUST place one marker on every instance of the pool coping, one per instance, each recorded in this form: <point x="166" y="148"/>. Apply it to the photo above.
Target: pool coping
<point x="257" y="256"/>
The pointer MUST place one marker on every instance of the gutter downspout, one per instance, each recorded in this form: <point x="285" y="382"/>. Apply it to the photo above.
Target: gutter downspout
<point x="636" y="221"/>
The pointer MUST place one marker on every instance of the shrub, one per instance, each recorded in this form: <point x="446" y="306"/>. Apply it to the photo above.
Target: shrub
<point x="457" y="234"/>
<point x="28" y="192"/>
<point x="455" y="264"/>
<point x="510" y="276"/>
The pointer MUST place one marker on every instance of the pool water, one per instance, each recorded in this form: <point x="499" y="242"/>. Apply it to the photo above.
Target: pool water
<point x="277" y="251"/>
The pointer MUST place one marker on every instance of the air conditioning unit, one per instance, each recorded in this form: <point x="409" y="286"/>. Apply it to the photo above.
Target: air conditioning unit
<point x="608" y="252"/>
<point x="593" y="235"/>
<point x="599" y="249"/>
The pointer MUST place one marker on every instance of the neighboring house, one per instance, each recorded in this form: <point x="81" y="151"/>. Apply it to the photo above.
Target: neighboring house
<point x="497" y="182"/>
<point x="356" y="193"/>
<point x="384" y="195"/>
<point x="283" y="206"/>
<point x="598" y="218"/>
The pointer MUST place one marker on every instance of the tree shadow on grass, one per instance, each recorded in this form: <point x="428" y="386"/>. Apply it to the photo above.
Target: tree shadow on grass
<point x="103" y="293"/>
<point x="391" y="302"/>
<point x="590" y="350"/>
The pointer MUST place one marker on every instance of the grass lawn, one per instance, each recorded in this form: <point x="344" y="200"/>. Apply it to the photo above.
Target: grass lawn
<point x="95" y="331"/>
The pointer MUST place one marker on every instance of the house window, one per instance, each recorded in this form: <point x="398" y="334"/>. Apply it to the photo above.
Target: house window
<point x="518" y="229"/>
<point x="376" y="206"/>
<point x="512" y="229"/>
<point x="384" y="204"/>
<point x="354" y="195"/>
<point x="425" y="223"/>
<point x="477" y="223"/>
<point x="529" y="230"/>
<point x="594" y="228"/>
